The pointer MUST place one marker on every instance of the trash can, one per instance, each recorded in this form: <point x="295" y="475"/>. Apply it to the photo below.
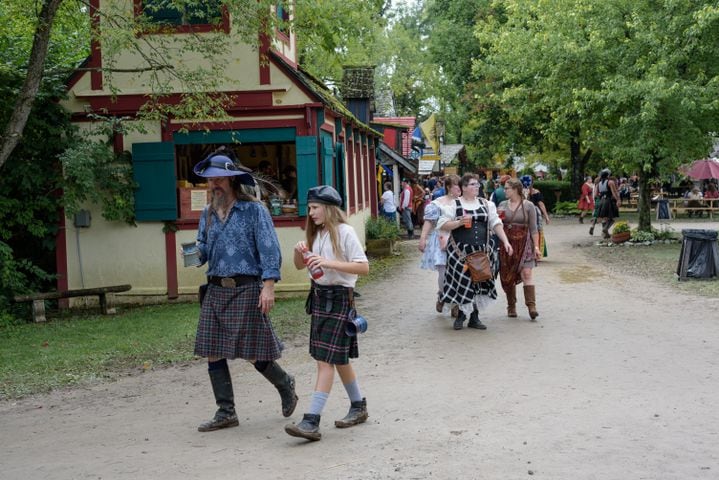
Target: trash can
<point x="699" y="257"/>
<point x="663" y="210"/>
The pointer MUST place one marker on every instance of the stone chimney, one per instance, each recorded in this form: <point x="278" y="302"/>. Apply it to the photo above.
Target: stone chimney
<point x="358" y="91"/>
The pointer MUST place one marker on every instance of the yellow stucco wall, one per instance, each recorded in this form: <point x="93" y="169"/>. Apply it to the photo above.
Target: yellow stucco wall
<point x="113" y="253"/>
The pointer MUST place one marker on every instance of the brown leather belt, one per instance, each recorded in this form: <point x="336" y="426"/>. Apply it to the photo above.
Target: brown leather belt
<point x="232" y="282"/>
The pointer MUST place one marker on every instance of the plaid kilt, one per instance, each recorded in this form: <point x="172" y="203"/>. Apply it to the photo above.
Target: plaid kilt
<point x="232" y="326"/>
<point x="328" y="341"/>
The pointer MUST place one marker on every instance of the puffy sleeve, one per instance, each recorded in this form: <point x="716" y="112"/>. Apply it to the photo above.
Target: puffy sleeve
<point x="493" y="219"/>
<point x="432" y="212"/>
<point x="447" y="214"/>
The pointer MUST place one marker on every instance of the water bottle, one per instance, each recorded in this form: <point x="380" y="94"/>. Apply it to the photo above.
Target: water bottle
<point x="315" y="272"/>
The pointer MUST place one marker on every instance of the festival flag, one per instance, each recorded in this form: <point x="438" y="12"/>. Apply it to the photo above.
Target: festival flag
<point x="429" y="129"/>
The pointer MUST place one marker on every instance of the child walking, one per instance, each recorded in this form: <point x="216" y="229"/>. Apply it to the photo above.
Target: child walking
<point x="335" y="259"/>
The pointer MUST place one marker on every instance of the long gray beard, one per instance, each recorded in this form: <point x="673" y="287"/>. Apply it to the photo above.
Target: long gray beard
<point x="220" y="202"/>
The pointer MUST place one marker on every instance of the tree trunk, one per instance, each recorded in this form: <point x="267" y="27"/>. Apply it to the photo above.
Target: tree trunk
<point x="578" y="164"/>
<point x="13" y="130"/>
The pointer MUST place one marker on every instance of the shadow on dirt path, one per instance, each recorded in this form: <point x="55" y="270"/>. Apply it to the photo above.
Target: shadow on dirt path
<point x="617" y="380"/>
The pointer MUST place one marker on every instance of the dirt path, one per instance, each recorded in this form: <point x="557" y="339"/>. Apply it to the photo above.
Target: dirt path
<point x="618" y="380"/>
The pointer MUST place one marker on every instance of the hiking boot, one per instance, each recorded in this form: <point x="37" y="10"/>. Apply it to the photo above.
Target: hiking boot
<point x="356" y="415"/>
<point x="475" y="322"/>
<point x="459" y="321"/>
<point x="220" y="420"/>
<point x="308" y="428"/>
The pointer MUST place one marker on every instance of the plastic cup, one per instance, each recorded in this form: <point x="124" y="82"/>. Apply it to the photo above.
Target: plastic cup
<point x="467" y="220"/>
<point x="191" y="254"/>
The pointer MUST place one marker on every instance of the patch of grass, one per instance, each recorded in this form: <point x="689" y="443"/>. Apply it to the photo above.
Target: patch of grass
<point x="83" y="348"/>
<point x="656" y="262"/>
<point x="79" y="347"/>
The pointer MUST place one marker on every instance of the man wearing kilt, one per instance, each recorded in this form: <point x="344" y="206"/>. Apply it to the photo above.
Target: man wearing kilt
<point x="237" y="240"/>
<point x="334" y="262"/>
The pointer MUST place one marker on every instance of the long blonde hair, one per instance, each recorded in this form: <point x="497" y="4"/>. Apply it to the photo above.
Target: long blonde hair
<point x="334" y="215"/>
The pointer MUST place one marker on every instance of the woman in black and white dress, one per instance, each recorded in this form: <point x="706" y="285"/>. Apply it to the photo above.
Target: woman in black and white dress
<point x="470" y="227"/>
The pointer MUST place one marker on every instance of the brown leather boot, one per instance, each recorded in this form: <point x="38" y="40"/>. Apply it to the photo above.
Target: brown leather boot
<point x="511" y="293"/>
<point x="530" y="301"/>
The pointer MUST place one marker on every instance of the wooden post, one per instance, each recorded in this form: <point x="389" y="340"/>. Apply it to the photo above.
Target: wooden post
<point x="107" y="303"/>
<point x="38" y="311"/>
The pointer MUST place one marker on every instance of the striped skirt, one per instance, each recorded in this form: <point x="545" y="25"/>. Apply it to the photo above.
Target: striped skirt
<point x="232" y="326"/>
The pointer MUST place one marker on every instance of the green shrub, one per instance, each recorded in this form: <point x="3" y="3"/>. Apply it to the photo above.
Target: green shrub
<point x="380" y="227"/>
<point x="642" y="236"/>
<point x="566" y="208"/>
<point x="548" y="187"/>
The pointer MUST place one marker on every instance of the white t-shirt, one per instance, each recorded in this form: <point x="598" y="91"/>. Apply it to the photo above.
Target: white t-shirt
<point x="353" y="252"/>
<point x="388" y="204"/>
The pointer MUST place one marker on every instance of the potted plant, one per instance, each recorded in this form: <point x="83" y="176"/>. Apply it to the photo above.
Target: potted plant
<point x="381" y="235"/>
<point x="621" y="232"/>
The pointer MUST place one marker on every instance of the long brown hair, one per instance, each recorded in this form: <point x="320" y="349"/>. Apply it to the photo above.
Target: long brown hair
<point x="334" y="215"/>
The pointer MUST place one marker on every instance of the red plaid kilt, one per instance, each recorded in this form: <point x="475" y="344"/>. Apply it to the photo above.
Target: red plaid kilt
<point x="232" y="326"/>
<point x="328" y="340"/>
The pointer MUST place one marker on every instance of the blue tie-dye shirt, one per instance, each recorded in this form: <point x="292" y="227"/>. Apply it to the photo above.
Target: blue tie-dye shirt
<point x="246" y="244"/>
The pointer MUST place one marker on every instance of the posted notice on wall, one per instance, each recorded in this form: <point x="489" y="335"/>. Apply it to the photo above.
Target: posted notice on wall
<point x="198" y="199"/>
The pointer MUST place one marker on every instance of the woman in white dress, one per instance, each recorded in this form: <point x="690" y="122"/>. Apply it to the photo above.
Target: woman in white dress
<point x="432" y="242"/>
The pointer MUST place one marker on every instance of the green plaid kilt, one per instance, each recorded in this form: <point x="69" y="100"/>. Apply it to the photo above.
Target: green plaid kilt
<point x="232" y="326"/>
<point x="328" y="341"/>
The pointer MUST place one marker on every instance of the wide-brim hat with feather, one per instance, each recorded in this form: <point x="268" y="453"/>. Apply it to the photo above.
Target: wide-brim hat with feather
<point x="218" y="165"/>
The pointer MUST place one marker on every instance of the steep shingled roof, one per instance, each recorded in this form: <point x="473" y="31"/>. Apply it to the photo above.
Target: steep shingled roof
<point x="323" y="93"/>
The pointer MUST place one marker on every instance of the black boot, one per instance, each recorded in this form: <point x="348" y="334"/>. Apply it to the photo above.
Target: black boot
<point x="308" y="428"/>
<point x="474" y="321"/>
<point x="225" y="399"/>
<point x="459" y="321"/>
<point x="356" y="415"/>
<point x="285" y="384"/>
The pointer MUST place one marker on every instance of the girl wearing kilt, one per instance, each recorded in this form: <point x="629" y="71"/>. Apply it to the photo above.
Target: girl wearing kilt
<point x="337" y="253"/>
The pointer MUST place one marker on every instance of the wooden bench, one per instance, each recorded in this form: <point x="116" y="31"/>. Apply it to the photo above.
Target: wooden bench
<point x="106" y="294"/>
<point x="710" y="206"/>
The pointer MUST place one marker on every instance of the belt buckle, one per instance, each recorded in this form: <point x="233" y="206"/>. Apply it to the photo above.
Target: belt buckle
<point x="228" y="282"/>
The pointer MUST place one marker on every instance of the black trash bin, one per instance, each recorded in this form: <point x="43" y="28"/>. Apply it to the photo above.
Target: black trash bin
<point x="699" y="257"/>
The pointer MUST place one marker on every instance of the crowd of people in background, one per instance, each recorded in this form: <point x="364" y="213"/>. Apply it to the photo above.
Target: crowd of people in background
<point x="505" y="217"/>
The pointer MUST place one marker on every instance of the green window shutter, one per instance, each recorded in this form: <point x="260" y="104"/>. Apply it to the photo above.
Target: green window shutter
<point x="153" y="167"/>
<point x="327" y="159"/>
<point x="340" y="171"/>
<point x="307" y="172"/>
